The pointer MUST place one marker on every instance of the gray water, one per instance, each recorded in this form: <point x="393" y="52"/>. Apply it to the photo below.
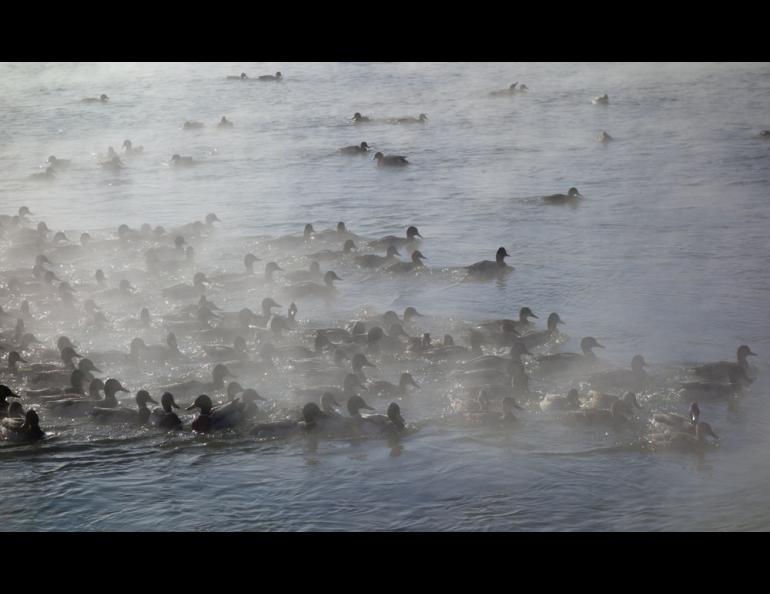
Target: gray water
<point x="667" y="255"/>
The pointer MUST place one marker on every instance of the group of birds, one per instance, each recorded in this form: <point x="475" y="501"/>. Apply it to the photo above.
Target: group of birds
<point x="320" y="369"/>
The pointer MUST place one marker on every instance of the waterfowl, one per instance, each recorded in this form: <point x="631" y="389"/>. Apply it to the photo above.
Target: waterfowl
<point x="487" y="269"/>
<point x="694" y="440"/>
<point x="5" y="392"/>
<point x="388" y="390"/>
<point x="276" y="76"/>
<point x="242" y="76"/>
<point x="227" y="353"/>
<point x="76" y="388"/>
<point x="347" y="250"/>
<point x="179" y="161"/>
<point x="509" y="91"/>
<point x="58" y="163"/>
<point x="101" y="99"/>
<point x="359" y="149"/>
<point x="191" y="387"/>
<point x="488" y="376"/>
<point x="502" y="364"/>
<point x="185" y="291"/>
<point x="454" y="352"/>
<point x="390" y="160"/>
<point x="349" y="385"/>
<point x="375" y="261"/>
<point x="313" y="274"/>
<point x="557" y="402"/>
<point x="421" y="119"/>
<point x="706" y="390"/>
<point x="165" y="417"/>
<point x="535" y="339"/>
<point x="679" y="422"/>
<point x="47" y="175"/>
<point x="562" y="362"/>
<point x="390" y="424"/>
<point x="80" y="406"/>
<point x="311" y="415"/>
<point x="212" y="420"/>
<point x="617" y="417"/>
<point x="597" y="400"/>
<point x="22" y="430"/>
<point x="494" y="419"/>
<point x="224" y="123"/>
<point x="190" y="125"/>
<point x="113" y="164"/>
<point x="604" y="137"/>
<point x="405" y="267"/>
<point x="238" y="410"/>
<point x="131" y="150"/>
<point x="721" y="370"/>
<point x="59" y="376"/>
<point x="391" y="240"/>
<point x="359" y="119"/>
<point x="603" y="100"/>
<point x="764" y="134"/>
<point x="126" y="415"/>
<point x="571" y="197"/>
<point x="309" y="290"/>
<point x="635" y="379"/>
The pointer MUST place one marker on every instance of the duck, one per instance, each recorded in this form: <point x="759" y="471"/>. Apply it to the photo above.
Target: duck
<point x="313" y="274"/>
<point x="635" y="379"/>
<point x="126" y="415"/>
<point x="390" y="424"/>
<point x="617" y="417"/>
<point x="212" y="420"/>
<point x="488" y="376"/>
<point x="227" y="353"/>
<point x="360" y="119"/>
<point x="311" y="415"/>
<point x="509" y="91"/>
<point x="604" y="137"/>
<point x="390" y="160"/>
<point x="391" y="240"/>
<point x="239" y="409"/>
<point x="101" y="99"/>
<point x="47" y="175"/>
<point x="694" y="440"/>
<point x="562" y="362"/>
<point x="421" y="119"/>
<point x="359" y="149"/>
<point x="406" y="267"/>
<point x="191" y="387"/>
<point x="597" y="400"/>
<point x="522" y="323"/>
<point x="764" y="134"/>
<point x="242" y="76"/>
<point x="389" y="390"/>
<point x="224" y="123"/>
<point x="556" y="402"/>
<point x="185" y="291"/>
<point x="603" y="100"/>
<point x="58" y="376"/>
<point x="59" y="163"/>
<point x="165" y="417"/>
<point x="132" y="151"/>
<point x="710" y="390"/>
<point x="491" y="418"/>
<point x="536" y="339"/>
<point x="347" y="250"/>
<point x="679" y="422"/>
<point x="76" y="388"/>
<point x="486" y="269"/>
<point x="180" y="161"/>
<point x="721" y="370"/>
<point x="453" y="352"/>
<point x="494" y="362"/>
<point x="22" y="430"/>
<point x="113" y="164"/>
<point x="6" y="392"/>
<point x="80" y="406"/>
<point x="376" y="261"/>
<point x="349" y="384"/>
<point x="310" y="290"/>
<point x="277" y="76"/>
<point x="572" y="196"/>
<point x="190" y="125"/>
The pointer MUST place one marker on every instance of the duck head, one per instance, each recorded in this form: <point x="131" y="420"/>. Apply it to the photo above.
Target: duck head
<point x="167" y="402"/>
<point x="203" y="403"/>
<point x="330" y="277"/>
<point x="394" y="414"/>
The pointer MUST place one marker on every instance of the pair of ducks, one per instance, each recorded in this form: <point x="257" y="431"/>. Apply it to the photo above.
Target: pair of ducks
<point x="421" y="119"/>
<point x="266" y="77"/>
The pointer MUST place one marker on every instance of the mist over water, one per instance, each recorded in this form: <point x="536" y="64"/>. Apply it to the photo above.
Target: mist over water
<point x="665" y="256"/>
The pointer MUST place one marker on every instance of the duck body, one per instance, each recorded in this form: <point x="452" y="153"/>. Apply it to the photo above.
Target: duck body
<point x="571" y="197"/>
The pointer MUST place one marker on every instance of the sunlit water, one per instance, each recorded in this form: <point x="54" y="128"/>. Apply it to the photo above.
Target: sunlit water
<point x="667" y="256"/>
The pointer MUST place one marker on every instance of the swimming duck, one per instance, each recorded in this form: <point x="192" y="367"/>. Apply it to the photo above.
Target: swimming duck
<point x="311" y="415"/>
<point x="562" y="362"/>
<point x="22" y="430"/>
<point x="184" y="291"/>
<point x="80" y="406"/>
<point x="494" y="419"/>
<point x="101" y="99"/>
<point x="721" y="369"/>
<point x="349" y="385"/>
<point x="535" y="339"/>
<point x="421" y="119"/>
<point x="47" y="175"/>
<point x="314" y="273"/>
<point x="375" y="261"/>
<point x="388" y="390"/>
<point x="212" y="420"/>
<point x="355" y="149"/>
<point x="603" y="100"/>
<point x="452" y="352"/>
<point x="488" y="376"/>
<point x="694" y="440"/>
<point x="165" y="417"/>
<point x="132" y="151"/>
<point x="716" y="390"/>
<point x="390" y="160"/>
<point x="487" y="269"/>
<point x="276" y="76"/>
<point x="226" y="353"/>
<point x="635" y="379"/>
<point x="76" y="388"/>
<point x="179" y="161"/>
<point x="557" y="402"/>
<point x="347" y="250"/>
<point x="126" y="415"/>
<point x="58" y="376"/>
<point x="604" y="137"/>
<point x="359" y="119"/>
<point x="113" y="164"/>
<point x="764" y="134"/>
<point x="405" y="267"/>
<point x="191" y="387"/>
<point x="597" y="400"/>
<point x="59" y="163"/>
<point x="224" y="123"/>
<point x="241" y="77"/>
<point x="238" y="410"/>
<point x="308" y="290"/>
<point x="494" y="362"/>
<point x="391" y="424"/>
<point x="190" y="125"/>
<point x="5" y="392"/>
<point x="509" y="91"/>
<point x="391" y="240"/>
<point x="679" y="422"/>
<point x="617" y="417"/>
<point x="571" y="197"/>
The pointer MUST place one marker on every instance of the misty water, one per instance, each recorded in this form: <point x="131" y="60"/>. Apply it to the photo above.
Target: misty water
<point x="666" y="255"/>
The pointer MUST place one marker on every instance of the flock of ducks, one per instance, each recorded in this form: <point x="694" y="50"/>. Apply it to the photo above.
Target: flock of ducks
<point x="486" y="380"/>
